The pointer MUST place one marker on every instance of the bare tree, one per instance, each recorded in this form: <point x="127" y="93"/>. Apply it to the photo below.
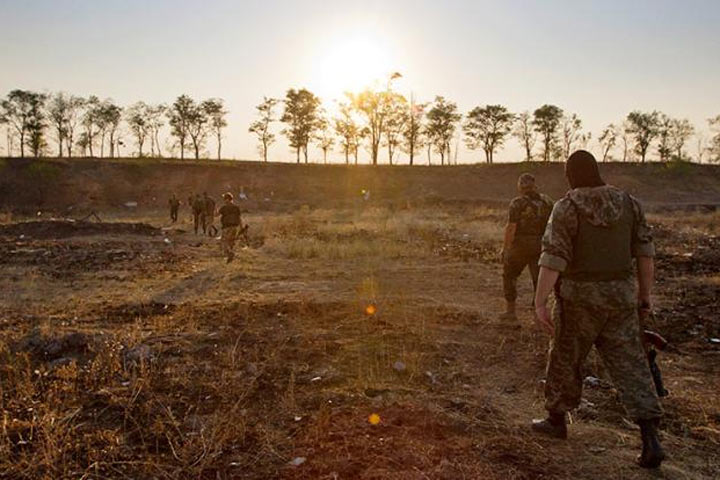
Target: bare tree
<point x="10" y="138"/>
<point x="57" y="114"/>
<point x="137" y="120"/>
<point x="523" y="131"/>
<point x="607" y="140"/>
<point x="680" y="133"/>
<point x="90" y="121"/>
<point x="324" y="137"/>
<point x="714" y="148"/>
<point x="261" y="126"/>
<point x="413" y="129"/>
<point x="664" y="133"/>
<point x="396" y="121"/>
<point x="626" y="137"/>
<point x="107" y="119"/>
<point x="701" y="148"/>
<point x="75" y="107"/>
<point x="155" y="115"/>
<point x="214" y="109"/>
<point x="347" y="128"/>
<point x="571" y="128"/>
<point x="487" y="128"/>
<point x="198" y="128"/>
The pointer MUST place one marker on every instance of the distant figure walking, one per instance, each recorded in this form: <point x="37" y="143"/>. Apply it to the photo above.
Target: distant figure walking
<point x="209" y="215"/>
<point x="230" y="222"/>
<point x="198" y="209"/>
<point x="174" y="208"/>
<point x="527" y="218"/>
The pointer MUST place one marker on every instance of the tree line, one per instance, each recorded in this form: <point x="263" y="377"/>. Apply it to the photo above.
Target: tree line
<point x="374" y="119"/>
<point x="89" y="126"/>
<point x="386" y="119"/>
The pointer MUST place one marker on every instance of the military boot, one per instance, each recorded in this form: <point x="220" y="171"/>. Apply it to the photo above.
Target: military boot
<point x="553" y="426"/>
<point x="652" y="453"/>
<point x="509" y="312"/>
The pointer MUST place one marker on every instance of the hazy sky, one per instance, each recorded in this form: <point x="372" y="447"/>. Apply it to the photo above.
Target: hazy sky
<point x="599" y="59"/>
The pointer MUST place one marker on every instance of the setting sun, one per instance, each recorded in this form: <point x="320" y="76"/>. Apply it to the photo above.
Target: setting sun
<point x="351" y="64"/>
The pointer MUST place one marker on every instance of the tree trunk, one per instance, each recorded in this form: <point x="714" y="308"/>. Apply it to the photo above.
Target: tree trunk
<point x="22" y="144"/>
<point x="325" y="156"/>
<point x="412" y="151"/>
<point x="219" y="139"/>
<point x="347" y="155"/>
<point x="112" y="145"/>
<point x="305" y="153"/>
<point x="297" y="154"/>
<point x="182" y="149"/>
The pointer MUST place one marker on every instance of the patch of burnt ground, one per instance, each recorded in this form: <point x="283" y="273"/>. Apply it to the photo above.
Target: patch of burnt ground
<point x="687" y="265"/>
<point x="46" y="229"/>
<point x="68" y="257"/>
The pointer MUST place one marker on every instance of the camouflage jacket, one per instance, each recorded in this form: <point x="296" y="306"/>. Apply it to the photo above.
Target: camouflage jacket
<point x="599" y="206"/>
<point x="530" y="213"/>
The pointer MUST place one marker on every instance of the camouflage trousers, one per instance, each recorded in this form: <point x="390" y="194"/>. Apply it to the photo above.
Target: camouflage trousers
<point x="199" y="221"/>
<point x="519" y="257"/>
<point x="616" y="335"/>
<point x="228" y="239"/>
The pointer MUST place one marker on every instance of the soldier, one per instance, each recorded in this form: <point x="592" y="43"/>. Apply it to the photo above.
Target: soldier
<point x="593" y="235"/>
<point x="230" y="222"/>
<point x="209" y="215"/>
<point x="198" y="208"/>
<point x="523" y="233"/>
<point x="174" y="207"/>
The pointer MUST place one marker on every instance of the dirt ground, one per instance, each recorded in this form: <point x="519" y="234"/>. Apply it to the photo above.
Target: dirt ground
<point x="359" y="342"/>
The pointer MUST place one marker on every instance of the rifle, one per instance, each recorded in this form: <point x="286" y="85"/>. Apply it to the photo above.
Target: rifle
<point x="653" y="342"/>
<point x="244" y="232"/>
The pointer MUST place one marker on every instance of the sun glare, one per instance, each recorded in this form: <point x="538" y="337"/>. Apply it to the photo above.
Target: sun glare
<point x="351" y="64"/>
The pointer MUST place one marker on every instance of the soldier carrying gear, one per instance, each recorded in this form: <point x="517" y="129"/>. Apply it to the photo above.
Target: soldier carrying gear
<point x="174" y="207"/>
<point x="593" y="235"/>
<point x="198" y="209"/>
<point x="230" y="222"/>
<point x="209" y="215"/>
<point x="527" y="218"/>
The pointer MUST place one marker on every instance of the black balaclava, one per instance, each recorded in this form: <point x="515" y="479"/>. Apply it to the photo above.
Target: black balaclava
<point x="582" y="170"/>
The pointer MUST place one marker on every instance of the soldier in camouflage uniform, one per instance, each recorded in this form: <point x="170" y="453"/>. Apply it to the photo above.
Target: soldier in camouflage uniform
<point x="527" y="218"/>
<point x="593" y="235"/>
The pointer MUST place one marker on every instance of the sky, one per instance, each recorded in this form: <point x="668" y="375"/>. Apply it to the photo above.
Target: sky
<point x="598" y="58"/>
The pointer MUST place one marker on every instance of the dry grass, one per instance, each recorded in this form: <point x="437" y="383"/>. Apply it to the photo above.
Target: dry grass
<point x="252" y="367"/>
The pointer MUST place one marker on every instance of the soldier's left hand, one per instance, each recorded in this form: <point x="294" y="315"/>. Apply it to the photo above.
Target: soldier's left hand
<point x="544" y="320"/>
